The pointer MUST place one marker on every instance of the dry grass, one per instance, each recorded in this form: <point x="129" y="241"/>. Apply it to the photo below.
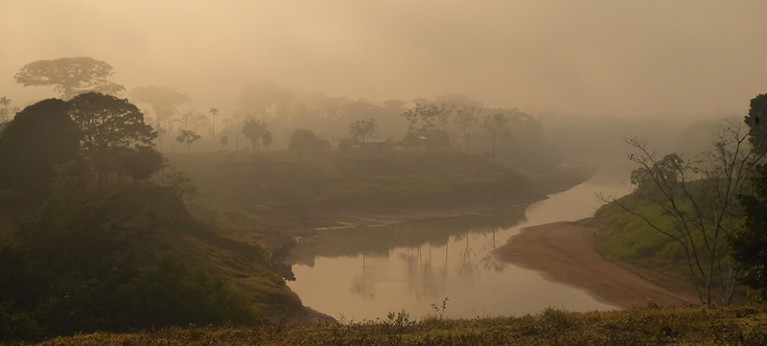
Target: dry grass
<point x="650" y="325"/>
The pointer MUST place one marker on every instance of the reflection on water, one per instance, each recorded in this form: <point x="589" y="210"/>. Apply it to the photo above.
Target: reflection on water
<point x="368" y="272"/>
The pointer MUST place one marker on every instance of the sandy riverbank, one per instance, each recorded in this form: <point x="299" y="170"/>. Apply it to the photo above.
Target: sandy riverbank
<point x="566" y="252"/>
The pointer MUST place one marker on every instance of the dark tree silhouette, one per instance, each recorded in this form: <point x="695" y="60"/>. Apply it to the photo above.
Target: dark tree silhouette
<point x="69" y="76"/>
<point x="34" y="142"/>
<point x="108" y="124"/>
<point x="257" y="133"/>
<point x="141" y="163"/>
<point x="748" y="242"/>
<point x="303" y="139"/>
<point x="757" y="122"/>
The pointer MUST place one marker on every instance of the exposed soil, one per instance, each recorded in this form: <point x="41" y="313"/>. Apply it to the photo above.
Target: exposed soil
<point x="566" y="252"/>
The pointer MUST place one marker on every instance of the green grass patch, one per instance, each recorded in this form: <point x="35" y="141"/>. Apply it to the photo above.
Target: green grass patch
<point x="628" y="238"/>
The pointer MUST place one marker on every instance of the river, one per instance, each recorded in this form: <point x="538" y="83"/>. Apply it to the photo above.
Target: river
<point x="369" y="275"/>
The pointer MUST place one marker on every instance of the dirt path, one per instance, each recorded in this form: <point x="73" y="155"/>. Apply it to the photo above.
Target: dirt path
<point x="565" y="252"/>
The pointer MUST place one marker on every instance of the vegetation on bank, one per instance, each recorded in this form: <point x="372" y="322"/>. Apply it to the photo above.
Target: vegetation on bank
<point x="684" y="213"/>
<point x="274" y="197"/>
<point x="357" y="181"/>
<point x="649" y="325"/>
<point x="90" y="244"/>
<point x="627" y="238"/>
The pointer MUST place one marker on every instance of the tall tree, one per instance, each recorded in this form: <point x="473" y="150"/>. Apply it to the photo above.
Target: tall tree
<point x="757" y="122"/>
<point x="257" y="133"/>
<point x="362" y="128"/>
<point x="698" y="205"/>
<point x="69" y="76"/>
<point x="190" y="119"/>
<point x="421" y="123"/>
<point x="109" y="125"/>
<point x="213" y="113"/>
<point x="421" y="118"/>
<point x="38" y="139"/>
<point x="188" y="137"/>
<point x="466" y="118"/>
<point x="163" y="101"/>
<point x="749" y="242"/>
<point x="495" y="125"/>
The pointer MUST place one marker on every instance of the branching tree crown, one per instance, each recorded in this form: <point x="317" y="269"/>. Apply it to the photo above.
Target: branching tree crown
<point x="109" y="122"/>
<point x="69" y="76"/>
<point x="188" y="137"/>
<point x="163" y="100"/>
<point x="109" y="126"/>
<point x="34" y="142"/>
<point x="698" y="199"/>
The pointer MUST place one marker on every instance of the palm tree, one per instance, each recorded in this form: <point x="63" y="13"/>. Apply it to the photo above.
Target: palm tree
<point x="213" y="112"/>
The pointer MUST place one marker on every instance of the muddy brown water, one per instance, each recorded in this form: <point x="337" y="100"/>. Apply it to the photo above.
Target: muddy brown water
<point x="416" y="275"/>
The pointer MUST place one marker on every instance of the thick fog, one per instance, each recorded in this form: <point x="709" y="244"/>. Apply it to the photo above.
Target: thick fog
<point x="569" y="57"/>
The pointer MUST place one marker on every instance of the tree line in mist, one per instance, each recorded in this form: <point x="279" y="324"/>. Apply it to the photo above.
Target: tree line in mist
<point x="268" y="116"/>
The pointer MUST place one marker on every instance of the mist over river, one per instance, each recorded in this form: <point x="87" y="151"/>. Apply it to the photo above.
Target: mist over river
<point x="413" y="273"/>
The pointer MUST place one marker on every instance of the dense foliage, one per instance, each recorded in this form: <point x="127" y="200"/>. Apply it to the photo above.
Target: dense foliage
<point x="93" y="263"/>
<point x="38" y="139"/>
<point x="749" y="243"/>
<point x="757" y="122"/>
<point x="89" y="256"/>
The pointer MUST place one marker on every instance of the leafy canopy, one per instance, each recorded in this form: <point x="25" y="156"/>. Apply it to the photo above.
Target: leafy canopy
<point x="109" y="122"/>
<point x="69" y="76"/>
<point x="257" y="132"/>
<point x="38" y="139"/>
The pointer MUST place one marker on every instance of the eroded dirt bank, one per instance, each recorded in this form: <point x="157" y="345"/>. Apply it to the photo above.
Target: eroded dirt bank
<point x="566" y="252"/>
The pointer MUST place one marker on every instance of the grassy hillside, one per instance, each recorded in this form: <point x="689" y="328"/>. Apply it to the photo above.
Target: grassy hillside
<point x="628" y="238"/>
<point x="639" y="326"/>
<point x="624" y="237"/>
<point x="130" y="257"/>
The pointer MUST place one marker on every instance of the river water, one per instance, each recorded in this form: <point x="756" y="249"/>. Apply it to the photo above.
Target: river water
<point x="367" y="275"/>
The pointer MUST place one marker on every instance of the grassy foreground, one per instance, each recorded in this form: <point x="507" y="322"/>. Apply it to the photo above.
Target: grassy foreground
<point x="745" y="325"/>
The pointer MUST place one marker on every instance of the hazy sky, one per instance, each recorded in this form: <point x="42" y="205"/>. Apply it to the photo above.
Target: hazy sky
<point x="612" y="57"/>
